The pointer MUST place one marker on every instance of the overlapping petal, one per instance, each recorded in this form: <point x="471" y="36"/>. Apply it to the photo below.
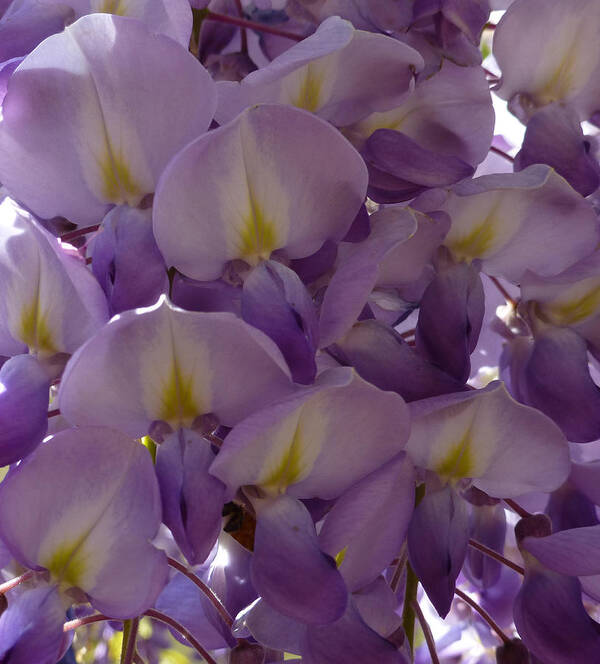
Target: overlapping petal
<point x="256" y="186"/>
<point x="66" y="508"/>
<point x="166" y="364"/>
<point x="94" y="114"/>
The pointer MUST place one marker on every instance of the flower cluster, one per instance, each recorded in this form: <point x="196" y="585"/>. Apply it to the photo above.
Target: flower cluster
<point x="288" y="344"/>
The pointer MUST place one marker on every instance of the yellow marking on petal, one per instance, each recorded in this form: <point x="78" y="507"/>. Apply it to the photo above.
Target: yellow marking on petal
<point x="289" y="470"/>
<point x="573" y="311"/>
<point x="118" y="185"/>
<point x="118" y="7"/>
<point x="339" y="558"/>
<point x="66" y="565"/>
<point x="34" y="330"/>
<point x="308" y="95"/>
<point x="257" y="237"/>
<point x="560" y="82"/>
<point x="459" y="461"/>
<point x="476" y="243"/>
<point x="179" y="407"/>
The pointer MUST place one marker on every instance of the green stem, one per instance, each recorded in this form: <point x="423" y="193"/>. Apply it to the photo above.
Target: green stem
<point x="408" y="613"/>
<point x="130" y="630"/>
<point x="410" y="592"/>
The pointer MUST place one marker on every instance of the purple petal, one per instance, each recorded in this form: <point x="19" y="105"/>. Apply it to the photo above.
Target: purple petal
<point x="252" y="187"/>
<point x="289" y="569"/>
<point x="167" y="364"/>
<point x="437" y="544"/>
<point x="380" y="355"/>
<point x="350" y="635"/>
<point x="31" y="628"/>
<point x="71" y="144"/>
<point x="571" y="552"/>
<point x="275" y="301"/>
<point x="192" y="499"/>
<point x="24" y="393"/>
<point x="126" y="260"/>
<point x="65" y="509"/>
<point x="554" y="137"/>
<point x="367" y="524"/>
<point x="551" y="620"/>
<point x="450" y="318"/>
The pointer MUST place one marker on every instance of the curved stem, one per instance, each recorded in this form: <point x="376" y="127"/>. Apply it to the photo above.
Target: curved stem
<point x="483" y="613"/>
<point x="215" y="601"/>
<point x="408" y="614"/>
<point x="13" y="583"/>
<point x="493" y="148"/>
<point x="54" y="412"/>
<point x="167" y="620"/>
<point x="88" y="620"/>
<point x="426" y="632"/>
<point x="244" y="23"/>
<point x="496" y="556"/>
<point x="521" y="511"/>
<point x="78" y="232"/>
<point x="243" y="31"/>
<point x="397" y="575"/>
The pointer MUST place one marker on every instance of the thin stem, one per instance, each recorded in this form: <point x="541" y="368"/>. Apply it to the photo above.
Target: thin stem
<point x="54" y="412"/>
<point x="78" y="232"/>
<point x="167" y="620"/>
<point x="505" y="293"/>
<point x="426" y="632"/>
<point x="397" y="575"/>
<point x="483" y="613"/>
<point x="88" y="620"/>
<point x="130" y="630"/>
<point x="496" y="556"/>
<point x="493" y="148"/>
<point x="491" y="74"/>
<point x="243" y="32"/>
<point x="215" y="601"/>
<point x="408" y="333"/>
<point x="408" y="614"/>
<point x="244" y="23"/>
<point x="521" y="511"/>
<point x="13" y="583"/>
<point x="489" y="26"/>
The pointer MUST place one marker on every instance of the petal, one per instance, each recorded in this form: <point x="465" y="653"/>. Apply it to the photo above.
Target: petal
<point x="67" y="507"/>
<point x="380" y="355"/>
<point x="49" y="302"/>
<point x="554" y="137"/>
<point x="551" y="620"/>
<point x="367" y="525"/>
<point x="192" y="499"/>
<point x="126" y="260"/>
<point x="31" y="627"/>
<point x="562" y="68"/>
<point x="272" y="628"/>
<point x="338" y="73"/>
<point x="357" y="274"/>
<point x="437" y="544"/>
<point x="350" y="635"/>
<point x="509" y="449"/>
<point x="275" y="301"/>
<point x="297" y="445"/>
<point x="24" y="393"/>
<point x="94" y="114"/>
<point x="253" y="186"/>
<point x="571" y="552"/>
<point x="450" y="318"/>
<point x="516" y="221"/>
<point x="288" y="568"/>
<point x="554" y="377"/>
<point x="167" y="364"/>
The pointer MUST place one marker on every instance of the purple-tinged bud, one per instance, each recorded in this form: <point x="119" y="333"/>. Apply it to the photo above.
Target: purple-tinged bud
<point x="247" y="653"/>
<point x="536" y="525"/>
